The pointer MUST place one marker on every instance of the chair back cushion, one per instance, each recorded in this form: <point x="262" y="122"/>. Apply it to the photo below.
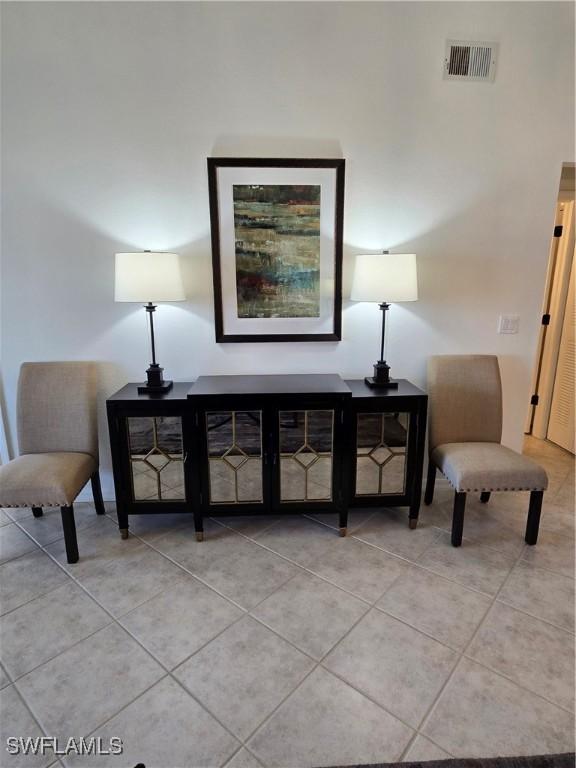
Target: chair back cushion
<point x="57" y="408"/>
<point x="465" y="399"/>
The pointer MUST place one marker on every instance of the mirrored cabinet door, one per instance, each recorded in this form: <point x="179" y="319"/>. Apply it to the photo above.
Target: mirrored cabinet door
<point x="156" y="458"/>
<point x="234" y="440"/>
<point x="306" y="447"/>
<point x="381" y="445"/>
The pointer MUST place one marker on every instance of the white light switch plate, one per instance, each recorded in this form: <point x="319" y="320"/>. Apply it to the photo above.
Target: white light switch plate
<point x="508" y="323"/>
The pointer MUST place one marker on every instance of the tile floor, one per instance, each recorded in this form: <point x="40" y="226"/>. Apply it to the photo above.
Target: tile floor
<point x="276" y="643"/>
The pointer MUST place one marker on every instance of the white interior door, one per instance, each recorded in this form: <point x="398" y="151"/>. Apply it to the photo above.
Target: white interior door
<point x="561" y="424"/>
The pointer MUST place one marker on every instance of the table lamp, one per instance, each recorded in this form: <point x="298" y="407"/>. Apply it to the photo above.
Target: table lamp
<point x="149" y="277"/>
<point x="385" y="278"/>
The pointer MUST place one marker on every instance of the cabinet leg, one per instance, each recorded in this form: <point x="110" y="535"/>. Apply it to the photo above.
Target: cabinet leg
<point x="122" y="522"/>
<point x="343" y="522"/>
<point x="413" y="522"/>
<point x="37" y="511"/>
<point x="485" y="497"/>
<point x="199" y="526"/>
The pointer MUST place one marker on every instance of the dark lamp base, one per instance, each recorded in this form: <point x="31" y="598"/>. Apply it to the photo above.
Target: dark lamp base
<point x="156" y="389"/>
<point x="371" y="382"/>
<point x="381" y="376"/>
<point x="155" y="384"/>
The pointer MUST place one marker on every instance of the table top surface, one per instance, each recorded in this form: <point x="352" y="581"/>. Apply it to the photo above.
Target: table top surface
<point x="289" y="384"/>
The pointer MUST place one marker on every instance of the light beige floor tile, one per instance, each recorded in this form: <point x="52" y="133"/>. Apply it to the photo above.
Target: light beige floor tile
<point x="249" y="525"/>
<point x="151" y="527"/>
<point x="17" y="513"/>
<point x="97" y="544"/>
<point x="400" y="668"/>
<point x="359" y="568"/>
<point x="484" y="524"/>
<point x="243" y="759"/>
<point x="14" y="542"/>
<point x="249" y="664"/>
<point x="248" y="574"/>
<point x="48" y="528"/>
<point x="16" y="720"/>
<point x="299" y="538"/>
<point x="326" y="723"/>
<point x="310" y="613"/>
<point x="423" y="749"/>
<point x="356" y="519"/>
<point x="181" y="545"/>
<point x="558" y="518"/>
<point x="65" y="615"/>
<point x="88" y="683"/>
<point x="554" y="552"/>
<point x="164" y="727"/>
<point x="28" y="577"/>
<point x="123" y="583"/>
<point x="4" y="679"/>
<point x="388" y="529"/>
<point x="447" y="611"/>
<point x="480" y="714"/>
<point x="565" y="494"/>
<point x="532" y="653"/>
<point x="471" y="564"/>
<point x="550" y="596"/>
<point x="180" y="620"/>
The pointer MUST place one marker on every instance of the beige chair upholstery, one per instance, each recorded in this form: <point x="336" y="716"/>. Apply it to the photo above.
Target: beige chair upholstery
<point x="58" y="441"/>
<point x="465" y="428"/>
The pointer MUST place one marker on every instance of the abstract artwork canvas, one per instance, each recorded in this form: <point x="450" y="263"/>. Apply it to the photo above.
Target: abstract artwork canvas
<point x="276" y="248"/>
<point x="277" y="242"/>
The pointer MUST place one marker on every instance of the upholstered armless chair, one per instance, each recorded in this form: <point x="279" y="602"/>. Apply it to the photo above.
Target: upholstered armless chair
<point x="58" y="442"/>
<point x="465" y="429"/>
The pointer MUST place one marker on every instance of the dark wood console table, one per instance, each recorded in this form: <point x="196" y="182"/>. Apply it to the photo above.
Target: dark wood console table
<point x="228" y="445"/>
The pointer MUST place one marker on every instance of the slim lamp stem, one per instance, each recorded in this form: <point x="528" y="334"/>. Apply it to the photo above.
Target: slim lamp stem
<point x="384" y="307"/>
<point x="150" y="309"/>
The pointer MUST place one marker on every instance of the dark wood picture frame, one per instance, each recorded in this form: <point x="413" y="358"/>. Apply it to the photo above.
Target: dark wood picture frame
<point x="338" y="165"/>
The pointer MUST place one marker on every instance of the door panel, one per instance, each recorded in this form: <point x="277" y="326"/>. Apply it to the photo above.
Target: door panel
<point x="234" y="440"/>
<point x="561" y="424"/>
<point x="306" y="450"/>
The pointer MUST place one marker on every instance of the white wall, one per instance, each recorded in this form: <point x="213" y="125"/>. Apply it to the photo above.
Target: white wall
<point x="109" y="113"/>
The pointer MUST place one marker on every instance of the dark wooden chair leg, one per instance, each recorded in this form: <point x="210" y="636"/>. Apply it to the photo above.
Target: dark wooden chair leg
<point x="69" y="533"/>
<point x="458" y="518"/>
<point x="97" y="493"/>
<point x="485" y="497"/>
<point x="37" y="511"/>
<point x="343" y="522"/>
<point x="533" y="522"/>
<point x="430" y="481"/>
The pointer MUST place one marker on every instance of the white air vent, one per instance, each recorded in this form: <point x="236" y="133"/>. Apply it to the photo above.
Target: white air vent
<point x="467" y="60"/>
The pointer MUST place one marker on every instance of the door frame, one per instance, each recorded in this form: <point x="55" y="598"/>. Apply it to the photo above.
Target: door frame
<point x="555" y="296"/>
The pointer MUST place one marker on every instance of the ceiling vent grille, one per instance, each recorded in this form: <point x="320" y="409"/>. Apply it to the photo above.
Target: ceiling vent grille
<point x="467" y="60"/>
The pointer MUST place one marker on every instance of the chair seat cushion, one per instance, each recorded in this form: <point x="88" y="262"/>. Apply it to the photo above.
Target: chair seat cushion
<point x="488" y="467"/>
<point x="45" y="479"/>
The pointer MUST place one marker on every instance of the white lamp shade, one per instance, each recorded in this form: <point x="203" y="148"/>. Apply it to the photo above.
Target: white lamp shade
<point x="148" y="276"/>
<point x="385" y="277"/>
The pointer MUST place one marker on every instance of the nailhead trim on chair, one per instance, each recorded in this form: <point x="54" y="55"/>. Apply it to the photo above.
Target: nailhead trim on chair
<point x="489" y="490"/>
<point x="34" y="504"/>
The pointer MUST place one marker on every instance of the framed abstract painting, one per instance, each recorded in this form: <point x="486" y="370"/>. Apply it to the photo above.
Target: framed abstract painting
<point x="277" y="248"/>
